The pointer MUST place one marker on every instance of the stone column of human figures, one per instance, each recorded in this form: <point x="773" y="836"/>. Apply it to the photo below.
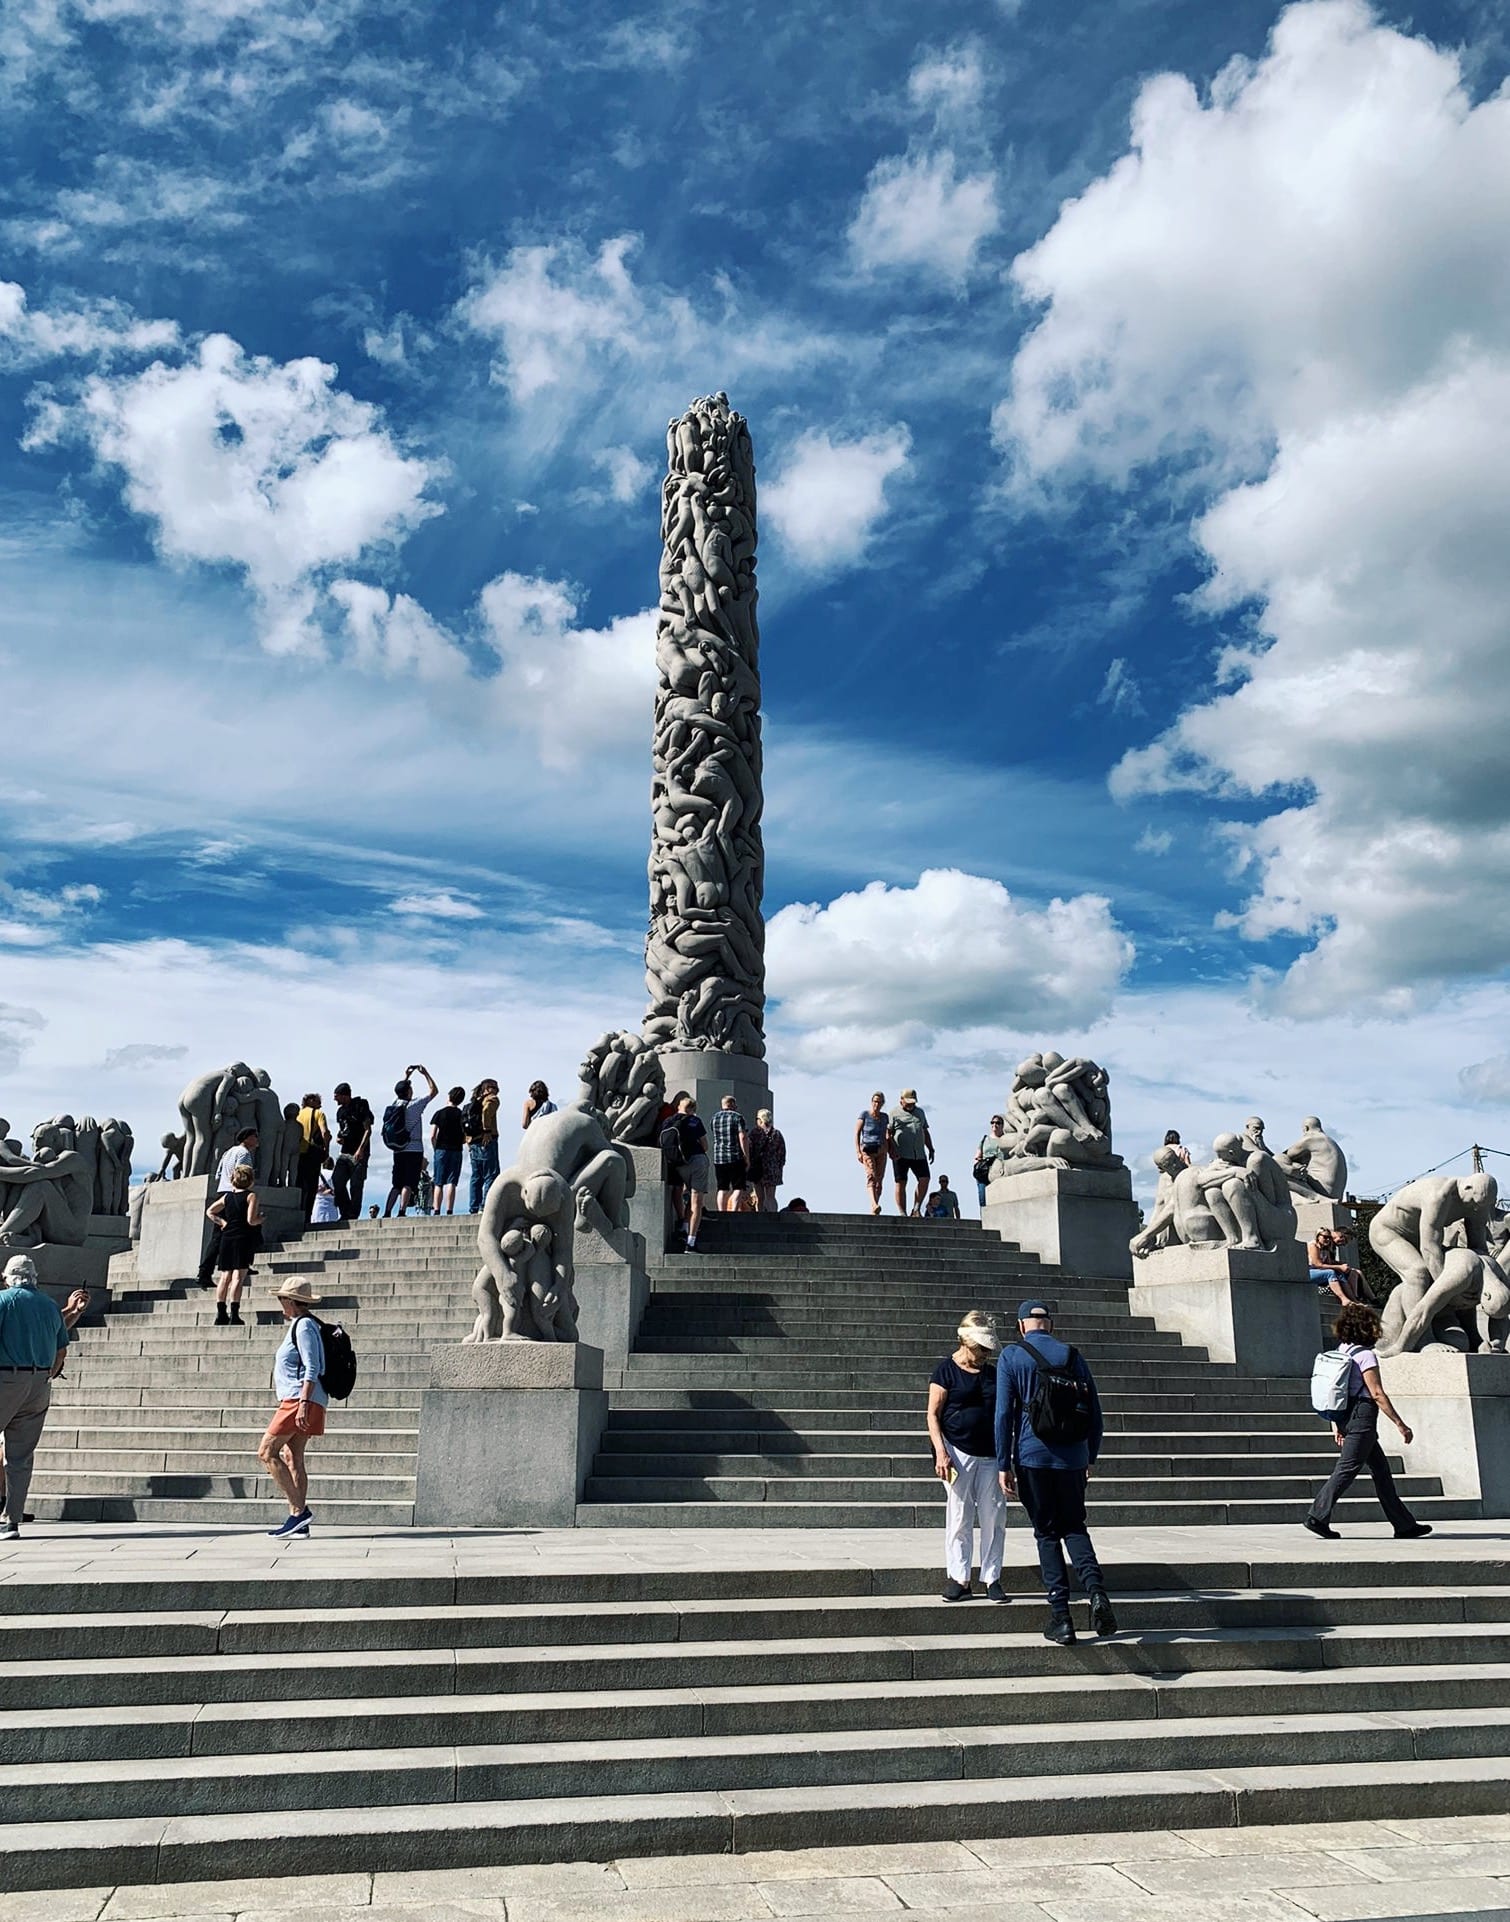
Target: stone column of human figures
<point x="705" y="952"/>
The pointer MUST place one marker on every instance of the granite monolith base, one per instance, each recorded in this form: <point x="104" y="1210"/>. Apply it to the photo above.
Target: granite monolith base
<point x="1458" y="1407"/>
<point x="507" y="1434"/>
<point x="709" y="1076"/>
<point x="1250" y="1307"/>
<point x="650" y="1204"/>
<point x="61" y="1269"/>
<point x="1081" y="1219"/>
<point x="175" y="1232"/>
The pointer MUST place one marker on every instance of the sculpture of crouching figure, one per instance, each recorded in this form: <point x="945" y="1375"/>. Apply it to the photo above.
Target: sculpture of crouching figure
<point x="1434" y="1233"/>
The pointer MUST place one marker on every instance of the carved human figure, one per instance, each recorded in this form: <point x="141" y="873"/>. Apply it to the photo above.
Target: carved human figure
<point x="112" y="1190"/>
<point x="623" y="1080"/>
<point x="266" y="1116"/>
<point x="1058" y="1112"/>
<point x="1253" y="1136"/>
<point x="211" y="1107"/>
<point x="1160" y="1230"/>
<point x="1315" y="1165"/>
<point x="288" y="1145"/>
<point x="1240" y="1197"/>
<point x="50" y="1196"/>
<point x="173" y="1147"/>
<point x="1414" y="1233"/>
<point x="567" y="1176"/>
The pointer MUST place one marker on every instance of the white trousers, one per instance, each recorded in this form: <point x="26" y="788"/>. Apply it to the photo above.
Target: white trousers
<point x="975" y="1501"/>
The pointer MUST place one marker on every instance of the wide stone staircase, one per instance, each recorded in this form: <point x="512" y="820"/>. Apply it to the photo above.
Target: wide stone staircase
<point x="778" y="1380"/>
<point x="315" y="1715"/>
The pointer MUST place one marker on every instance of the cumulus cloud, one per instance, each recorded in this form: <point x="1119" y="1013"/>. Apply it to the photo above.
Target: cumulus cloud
<point x="930" y="208"/>
<point x="93" y="328"/>
<point x="829" y="495"/>
<point x="627" y="475"/>
<point x="573" y="690"/>
<point x="1327" y="367"/>
<point x="1154" y="841"/>
<point x="891" y="967"/>
<point x="392" y="634"/>
<point x="266" y="467"/>
<point x="919" y="211"/>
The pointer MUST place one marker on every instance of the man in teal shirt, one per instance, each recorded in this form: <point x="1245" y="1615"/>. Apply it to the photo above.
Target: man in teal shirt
<point x="33" y="1344"/>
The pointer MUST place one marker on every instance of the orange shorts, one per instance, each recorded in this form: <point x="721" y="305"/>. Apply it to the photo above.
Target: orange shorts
<point x="285" y="1421"/>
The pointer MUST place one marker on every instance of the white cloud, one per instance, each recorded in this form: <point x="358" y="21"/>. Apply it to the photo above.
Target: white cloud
<point x="628" y="475"/>
<point x="829" y="495"/>
<point x="892" y="967"/>
<point x="19" y="1028"/>
<point x="950" y="85"/>
<point x="1154" y="841"/>
<point x="551" y="309"/>
<point x="443" y="905"/>
<point x="92" y="328"/>
<point x="919" y="211"/>
<point x="1119" y="690"/>
<point x="392" y="634"/>
<point x="1307" y="314"/>
<point x="573" y="691"/>
<point x="241" y="461"/>
<point x="30" y="918"/>
<point x="1487" y="1083"/>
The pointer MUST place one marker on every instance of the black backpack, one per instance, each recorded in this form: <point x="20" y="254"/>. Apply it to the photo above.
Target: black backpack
<point x="1062" y="1406"/>
<point x="396" y="1125"/>
<point x="339" y="1375"/>
<point x="471" y="1118"/>
<point x="670" y="1144"/>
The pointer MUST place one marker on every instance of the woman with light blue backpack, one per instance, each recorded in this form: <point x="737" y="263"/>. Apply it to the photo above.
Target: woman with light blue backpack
<point x="1345" y="1386"/>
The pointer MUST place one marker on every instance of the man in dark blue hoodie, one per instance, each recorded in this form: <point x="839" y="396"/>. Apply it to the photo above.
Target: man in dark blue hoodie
<point x="1048" y="1435"/>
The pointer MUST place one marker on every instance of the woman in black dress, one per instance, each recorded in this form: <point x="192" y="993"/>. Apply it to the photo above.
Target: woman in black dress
<point x="239" y="1214"/>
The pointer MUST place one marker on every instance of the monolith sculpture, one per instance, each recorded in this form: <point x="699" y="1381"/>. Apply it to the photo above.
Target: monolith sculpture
<point x="705" y="950"/>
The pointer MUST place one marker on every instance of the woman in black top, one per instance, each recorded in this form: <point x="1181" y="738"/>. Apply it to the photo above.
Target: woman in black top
<point x="962" y="1426"/>
<point x="239" y="1214"/>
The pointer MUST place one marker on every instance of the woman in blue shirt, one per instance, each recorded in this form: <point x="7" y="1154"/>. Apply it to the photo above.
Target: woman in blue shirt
<point x="302" y="1401"/>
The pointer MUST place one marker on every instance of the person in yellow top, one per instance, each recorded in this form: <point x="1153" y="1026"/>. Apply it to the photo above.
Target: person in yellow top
<point x="316" y="1145"/>
<point x="480" y="1124"/>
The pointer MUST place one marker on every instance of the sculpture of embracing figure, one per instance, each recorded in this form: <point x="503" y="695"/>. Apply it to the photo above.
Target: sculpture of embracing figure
<point x="1058" y="1115"/>
<point x="49" y="1196"/>
<point x="567" y="1175"/>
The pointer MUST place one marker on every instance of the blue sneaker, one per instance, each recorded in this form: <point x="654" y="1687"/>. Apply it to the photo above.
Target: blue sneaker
<point x="295" y="1525"/>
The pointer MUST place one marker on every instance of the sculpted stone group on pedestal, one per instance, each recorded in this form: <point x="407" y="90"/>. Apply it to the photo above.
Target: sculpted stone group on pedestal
<point x="568" y="1176"/>
<point x="76" y="1169"/>
<point x="1058" y="1115"/>
<point x="1435" y="1234"/>
<point x="1239" y="1199"/>
<point x="218" y="1106"/>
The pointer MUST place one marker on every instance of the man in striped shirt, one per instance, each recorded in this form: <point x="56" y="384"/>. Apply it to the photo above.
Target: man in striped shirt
<point x="731" y="1155"/>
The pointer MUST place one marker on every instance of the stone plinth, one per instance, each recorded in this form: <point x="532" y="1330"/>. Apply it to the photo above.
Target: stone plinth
<point x="612" y="1288"/>
<point x="650" y="1204"/>
<point x="1311" y="1215"/>
<point x="1246" y="1306"/>
<point x="1079" y="1218"/>
<point x="61" y="1269"/>
<point x="709" y="1076"/>
<point x="175" y="1232"/>
<point x="1458" y="1407"/>
<point x="507" y="1434"/>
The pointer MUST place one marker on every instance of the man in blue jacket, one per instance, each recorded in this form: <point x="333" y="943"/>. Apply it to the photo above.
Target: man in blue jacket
<point x="1046" y="1467"/>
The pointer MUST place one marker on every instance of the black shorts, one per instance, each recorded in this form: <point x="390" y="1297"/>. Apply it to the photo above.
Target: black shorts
<point x="408" y="1164"/>
<point x="903" y="1168"/>
<point x="729" y="1174"/>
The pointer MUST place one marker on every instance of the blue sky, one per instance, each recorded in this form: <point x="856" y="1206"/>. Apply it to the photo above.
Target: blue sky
<point x="1131" y="395"/>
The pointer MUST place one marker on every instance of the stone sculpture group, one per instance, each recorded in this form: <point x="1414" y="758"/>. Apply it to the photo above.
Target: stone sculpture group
<point x="76" y="1169"/>
<point x="704" y="954"/>
<point x="1057" y="1115"/>
<point x="568" y="1176"/>
<point x="623" y="1081"/>
<point x="1435" y="1234"/>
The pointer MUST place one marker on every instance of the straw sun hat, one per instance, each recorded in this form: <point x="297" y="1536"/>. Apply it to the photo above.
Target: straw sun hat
<point x="297" y="1288"/>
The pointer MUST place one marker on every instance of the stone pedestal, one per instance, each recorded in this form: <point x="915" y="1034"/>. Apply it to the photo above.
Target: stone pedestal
<point x="1081" y="1219"/>
<point x="507" y="1433"/>
<point x="1458" y="1407"/>
<point x="709" y="1076"/>
<point x="650" y="1204"/>
<point x="175" y="1233"/>
<point x="1245" y="1306"/>
<point x="612" y="1288"/>
<point x="1311" y="1215"/>
<point x="61" y="1269"/>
